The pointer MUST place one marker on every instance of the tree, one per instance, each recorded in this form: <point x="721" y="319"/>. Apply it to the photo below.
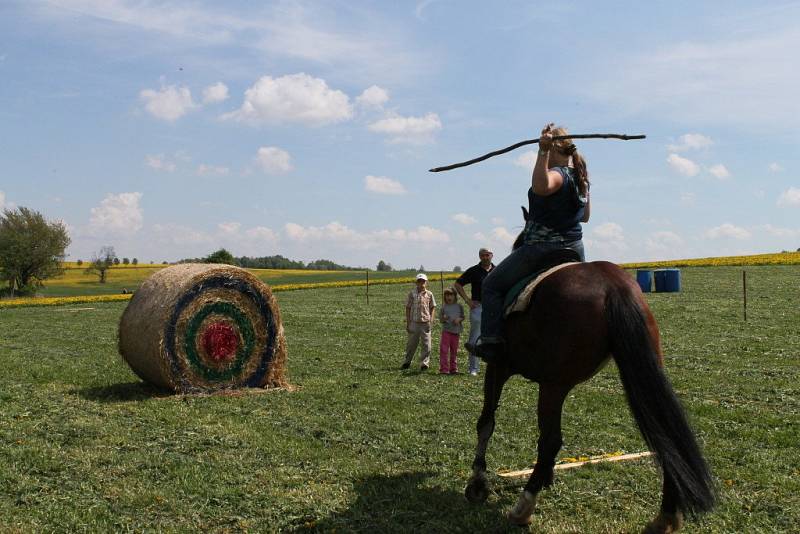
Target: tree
<point x="116" y="261"/>
<point x="421" y="269"/>
<point x="31" y="248"/>
<point x="126" y="261"/>
<point x="457" y="269"/>
<point x="80" y="262"/>
<point x="102" y="262"/>
<point x="135" y="261"/>
<point x="220" y="256"/>
<point x="383" y="266"/>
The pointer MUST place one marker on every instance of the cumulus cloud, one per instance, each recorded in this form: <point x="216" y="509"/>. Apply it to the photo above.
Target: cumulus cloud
<point x="297" y="98"/>
<point x="727" y="230"/>
<point x="463" y="218"/>
<point x="273" y="160"/>
<point x="498" y="238"/>
<point x="383" y="185"/>
<point x="215" y="93"/>
<point x="373" y="97"/>
<point x="663" y="242"/>
<point x="691" y="141"/>
<point x="335" y="232"/>
<point x="775" y="167"/>
<point x="211" y="170"/>
<point x="169" y="103"/>
<point x="117" y="214"/>
<point x="684" y="166"/>
<point x="229" y="227"/>
<point x="526" y="160"/>
<point x="412" y="130"/>
<point x="160" y="163"/>
<point x="261" y="234"/>
<point x="497" y="221"/>
<point x="790" y="197"/>
<point x="778" y="231"/>
<point x="719" y="171"/>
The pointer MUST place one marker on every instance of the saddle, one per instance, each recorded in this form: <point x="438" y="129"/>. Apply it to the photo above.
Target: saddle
<point x="519" y="296"/>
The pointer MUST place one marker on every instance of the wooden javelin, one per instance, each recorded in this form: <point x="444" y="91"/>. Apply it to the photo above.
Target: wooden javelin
<point x="534" y="141"/>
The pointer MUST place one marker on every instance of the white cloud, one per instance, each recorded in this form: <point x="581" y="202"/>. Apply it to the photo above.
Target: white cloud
<point x="340" y="234"/>
<point x="160" y="163"/>
<point x="212" y="170"/>
<point x="261" y="234"/>
<point x="498" y="239"/>
<point x="691" y="141"/>
<point x="790" y="197"/>
<point x="296" y="98"/>
<point x="609" y="232"/>
<point x="684" y="166"/>
<point x="413" y="130"/>
<point x="497" y="221"/>
<point x="2" y="201"/>
<point x="775" y="167"/>
<point x="383" y="185"/>
<point x="727" y="230"/>
<point x="373" y="97"/>
<point x="688" y="198"/>
<point x="117" y="214"/>
<point x="778" y="231"/>
<point x="463" y="218"/>
<point x="169" y="103"/>
<point x="215" y="93"/>
<point x="663" y="242"/>
<point x="273" y="160"/>
<point x="229" y="227"/>
<point x="178" y="235"/>
<point x="720" y="171"/>
<point x="526" y="160"/>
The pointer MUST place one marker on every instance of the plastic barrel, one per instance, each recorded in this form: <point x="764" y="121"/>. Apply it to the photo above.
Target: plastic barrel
<point x="668" y="280"/>
<point x="645" y="280"/>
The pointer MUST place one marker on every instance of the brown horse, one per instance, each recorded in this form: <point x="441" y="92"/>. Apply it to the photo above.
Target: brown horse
<point x="579" y="318"/>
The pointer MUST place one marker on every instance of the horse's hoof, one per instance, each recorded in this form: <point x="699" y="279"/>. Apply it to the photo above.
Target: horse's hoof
<point x="477" y="490"/>
<point x="522" y="512"/>
<point x="664" y="524"/>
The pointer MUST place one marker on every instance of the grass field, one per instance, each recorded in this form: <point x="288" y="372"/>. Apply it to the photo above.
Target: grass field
<point x="75" y="281"/>
<point x="362" y="446"/>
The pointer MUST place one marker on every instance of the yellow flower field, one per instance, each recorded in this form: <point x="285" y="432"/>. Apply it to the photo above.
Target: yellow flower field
<point x="781" y="258"/>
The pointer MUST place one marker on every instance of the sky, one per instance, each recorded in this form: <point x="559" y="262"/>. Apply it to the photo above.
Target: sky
<point x="169" y="129"/>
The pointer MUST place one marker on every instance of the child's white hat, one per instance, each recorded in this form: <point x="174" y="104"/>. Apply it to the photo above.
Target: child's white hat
<point x="421" y="276"/>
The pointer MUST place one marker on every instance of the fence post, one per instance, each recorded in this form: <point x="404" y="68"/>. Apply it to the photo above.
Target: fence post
<point x="441" y="279"/>
<point x="744" y="292"/>
<point x="367" y="271"/>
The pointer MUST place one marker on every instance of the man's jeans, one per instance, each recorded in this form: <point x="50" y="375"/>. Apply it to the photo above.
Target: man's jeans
<point x="474" y="334"/>
<point x="511" y="270"/>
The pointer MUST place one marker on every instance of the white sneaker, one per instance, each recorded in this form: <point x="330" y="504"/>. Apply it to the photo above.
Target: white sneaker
<point x="473" y="373"/>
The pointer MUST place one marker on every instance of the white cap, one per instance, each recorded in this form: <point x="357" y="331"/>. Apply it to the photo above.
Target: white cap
<point x="421" y="276"/>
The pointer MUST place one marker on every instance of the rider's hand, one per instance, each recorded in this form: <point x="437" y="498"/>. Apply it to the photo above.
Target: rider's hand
<point x="546" y="139"/>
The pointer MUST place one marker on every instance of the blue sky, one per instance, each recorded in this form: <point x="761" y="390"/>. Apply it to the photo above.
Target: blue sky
<point x="170" y="129"/>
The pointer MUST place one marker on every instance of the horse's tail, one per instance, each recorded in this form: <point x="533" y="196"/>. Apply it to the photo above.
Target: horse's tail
<point x="655" y="407"/>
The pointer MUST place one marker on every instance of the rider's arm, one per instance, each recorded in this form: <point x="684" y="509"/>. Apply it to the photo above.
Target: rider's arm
<point x="587" y="209"/>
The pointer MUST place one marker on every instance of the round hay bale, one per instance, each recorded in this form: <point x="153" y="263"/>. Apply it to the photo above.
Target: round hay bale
<point x="194" y="327"/>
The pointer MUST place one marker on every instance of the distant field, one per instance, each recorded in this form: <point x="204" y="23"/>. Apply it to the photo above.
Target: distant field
<point x="779" y="258"/>
<point x="74" y="282"/>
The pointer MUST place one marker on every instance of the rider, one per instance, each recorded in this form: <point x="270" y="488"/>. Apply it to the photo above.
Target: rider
<point x="558" y="201"/>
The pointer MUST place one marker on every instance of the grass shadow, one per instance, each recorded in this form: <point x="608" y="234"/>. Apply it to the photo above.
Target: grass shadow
<point x="125" y="392"/>
<point x="405" y="503"/>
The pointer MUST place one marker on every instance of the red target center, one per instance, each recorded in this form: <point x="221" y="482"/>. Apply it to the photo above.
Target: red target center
<point x="220" y="341"/>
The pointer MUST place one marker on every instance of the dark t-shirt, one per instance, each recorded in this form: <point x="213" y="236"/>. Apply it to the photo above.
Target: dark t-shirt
<point x="474" y="277"/>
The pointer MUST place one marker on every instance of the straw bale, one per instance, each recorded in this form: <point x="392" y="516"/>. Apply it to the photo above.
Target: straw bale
<point x="165" y="330"/>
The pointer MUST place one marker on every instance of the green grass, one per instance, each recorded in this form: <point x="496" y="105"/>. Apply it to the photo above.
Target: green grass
<point x="362" y="446"/>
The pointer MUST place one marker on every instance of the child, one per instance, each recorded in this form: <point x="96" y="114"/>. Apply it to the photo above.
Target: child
<point x="420" y="307"/>
<point x="452" y="315"/>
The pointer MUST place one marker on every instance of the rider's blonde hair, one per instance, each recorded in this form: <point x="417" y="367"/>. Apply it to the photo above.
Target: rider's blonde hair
<point x="568" y="148"/>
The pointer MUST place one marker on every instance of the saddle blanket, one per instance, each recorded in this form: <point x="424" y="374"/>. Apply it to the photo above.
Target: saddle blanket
<point x="523" y="299"/>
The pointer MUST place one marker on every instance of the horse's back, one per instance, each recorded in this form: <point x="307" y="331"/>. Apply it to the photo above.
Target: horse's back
<point x="564" y="333"/>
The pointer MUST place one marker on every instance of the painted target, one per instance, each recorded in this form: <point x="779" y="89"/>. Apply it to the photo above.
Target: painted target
<point x="222" y="330"/>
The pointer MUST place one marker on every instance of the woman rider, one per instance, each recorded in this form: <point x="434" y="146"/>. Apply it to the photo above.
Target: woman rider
<point x="558" y="201"/>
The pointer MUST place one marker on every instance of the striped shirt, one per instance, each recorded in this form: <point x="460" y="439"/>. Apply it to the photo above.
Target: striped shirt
<point x="421" y="304"/>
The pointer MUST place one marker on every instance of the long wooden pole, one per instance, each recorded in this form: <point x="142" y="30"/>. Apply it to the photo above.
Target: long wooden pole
<point x="367" y="287"/>
<point x="571" y="465"/>
<point x="534" y="141"/>
<point x="744" y="292"/>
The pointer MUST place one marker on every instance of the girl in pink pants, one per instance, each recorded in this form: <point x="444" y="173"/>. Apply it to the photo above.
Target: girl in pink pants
<point x="452" y="317"/>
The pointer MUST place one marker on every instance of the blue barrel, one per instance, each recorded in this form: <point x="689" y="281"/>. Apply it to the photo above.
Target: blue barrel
<point x="668" y="280"/>
<point x="645" y="280"/>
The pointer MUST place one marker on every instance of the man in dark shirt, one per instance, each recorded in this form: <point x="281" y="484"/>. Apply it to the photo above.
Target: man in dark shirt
<point x="474" y="277"/>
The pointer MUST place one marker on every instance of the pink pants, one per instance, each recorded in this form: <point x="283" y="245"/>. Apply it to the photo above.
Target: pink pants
<point x="449" y="344"/>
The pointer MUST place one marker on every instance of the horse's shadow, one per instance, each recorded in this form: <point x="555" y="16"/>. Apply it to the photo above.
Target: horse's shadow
<point x="124" y="392"/>
<point x="405" y="503"/>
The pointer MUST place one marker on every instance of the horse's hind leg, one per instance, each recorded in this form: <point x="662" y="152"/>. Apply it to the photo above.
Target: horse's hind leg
<point x="551" y="401"/>
<point x="669" y="518"/>
<point x="477" y="489"/>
